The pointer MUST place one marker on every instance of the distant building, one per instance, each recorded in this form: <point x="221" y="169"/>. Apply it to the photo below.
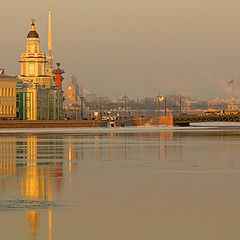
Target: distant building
<point x="89" y="95"/>
<point x="7" y="96"/>
<point x="77" y="99"/>
<point x="73" y="92"/>
<point x="220" y="104"/>
<point x="72" y="89"/>
<point x="233" y="104"/>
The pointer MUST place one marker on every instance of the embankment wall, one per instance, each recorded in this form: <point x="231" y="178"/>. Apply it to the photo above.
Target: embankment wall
<point x="51" y="123"/>
<point x="154" y="121"/>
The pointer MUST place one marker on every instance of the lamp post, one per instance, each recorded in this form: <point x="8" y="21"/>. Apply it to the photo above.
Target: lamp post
<point x="81" y="98"/>
<point x="160" y="99"/>
<point x="165" y="106"/>
<point x="76" y="112"/>
<point x="180" y="105"/>
<point x="125" y="105"/>
<point x="100" y="106"/>
<point x="138" y="108"/>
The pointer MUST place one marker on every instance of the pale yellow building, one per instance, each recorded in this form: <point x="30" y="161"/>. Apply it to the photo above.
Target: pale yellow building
<point x="7" y="96"/>
<point x="33" y="61"/>
<point x="37" y="97"/>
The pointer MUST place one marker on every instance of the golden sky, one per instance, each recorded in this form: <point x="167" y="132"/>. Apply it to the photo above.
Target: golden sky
<point x="137" y="47"/>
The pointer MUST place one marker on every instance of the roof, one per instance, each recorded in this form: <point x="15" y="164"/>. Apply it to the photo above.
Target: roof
<point x="4" y="77"/>
<point x="32" y="34"/>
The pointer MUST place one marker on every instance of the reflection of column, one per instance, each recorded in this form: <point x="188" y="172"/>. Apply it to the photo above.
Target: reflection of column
<point x="50" y="224"/>
<point x="70" y="157"/>
<point x="50" y="198"/>
<point x="162" y="154"/>
<point x="96" y="146"/>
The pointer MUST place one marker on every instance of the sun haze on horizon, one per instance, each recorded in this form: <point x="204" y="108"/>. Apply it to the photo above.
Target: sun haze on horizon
<point x="139" y="48"/>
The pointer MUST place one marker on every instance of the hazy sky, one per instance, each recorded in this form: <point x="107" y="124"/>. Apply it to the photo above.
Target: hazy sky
<point x="137" y="47"/>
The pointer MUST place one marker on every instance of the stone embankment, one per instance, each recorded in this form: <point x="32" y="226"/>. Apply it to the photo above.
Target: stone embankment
<point x="141" y="121"/>
<point x="148" y="121"/>
<point x="51" y="123"/>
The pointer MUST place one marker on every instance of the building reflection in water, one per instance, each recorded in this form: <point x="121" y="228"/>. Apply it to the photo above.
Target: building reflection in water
<point x="132" y="148"/>
<point x="38" y="162"/>
<point x="70" y="157"/>
<point x="72" y="154"/>
<point x="118" y="148"/>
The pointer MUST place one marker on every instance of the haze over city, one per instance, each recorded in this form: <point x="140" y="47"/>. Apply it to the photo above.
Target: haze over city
<point x="119" y="119"/>
<point x="140" y="48"/>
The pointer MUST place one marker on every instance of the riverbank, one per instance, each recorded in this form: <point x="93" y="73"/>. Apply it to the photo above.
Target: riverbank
<point x="153" y="121"/>
<point x="52" y="124"/>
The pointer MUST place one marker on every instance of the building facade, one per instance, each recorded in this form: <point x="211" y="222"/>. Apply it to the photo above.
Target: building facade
<point x="7" y="96"/>
<point x="37" y="96"/>
<point x="72" y="90"/>
<point x="33" y="61"/>
<point x="36" y="103"/>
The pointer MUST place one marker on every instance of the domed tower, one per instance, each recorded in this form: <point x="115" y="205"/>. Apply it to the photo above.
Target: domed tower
<point x="33" y="61"/>
<point x="33" y="39"/>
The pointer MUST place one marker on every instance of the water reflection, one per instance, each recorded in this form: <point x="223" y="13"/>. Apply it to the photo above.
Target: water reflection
<point x="38" y="162"/>
<point x="42" y="169"/>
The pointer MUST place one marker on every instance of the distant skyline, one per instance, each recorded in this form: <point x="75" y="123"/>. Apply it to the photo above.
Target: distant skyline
<point x="140" y="48"/>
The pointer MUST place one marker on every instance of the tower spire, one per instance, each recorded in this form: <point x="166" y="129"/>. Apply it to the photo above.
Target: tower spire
<point x="49" y="30"/>
<point x="49" y="56"/>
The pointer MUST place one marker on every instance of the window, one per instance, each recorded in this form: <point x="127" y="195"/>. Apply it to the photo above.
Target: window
<point x="31" y="69"/>
<point x="40" y="69"/>
<point x="23" y="68"/>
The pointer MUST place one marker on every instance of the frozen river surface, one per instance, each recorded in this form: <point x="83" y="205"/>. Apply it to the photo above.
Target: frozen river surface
<point x="131" y="183"/>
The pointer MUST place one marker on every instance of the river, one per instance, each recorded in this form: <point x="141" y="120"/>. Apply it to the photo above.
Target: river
<point x="131" y="183"/>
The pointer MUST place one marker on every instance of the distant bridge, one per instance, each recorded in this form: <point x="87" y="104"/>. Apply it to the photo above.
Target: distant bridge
<point x="185" y="120"/>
